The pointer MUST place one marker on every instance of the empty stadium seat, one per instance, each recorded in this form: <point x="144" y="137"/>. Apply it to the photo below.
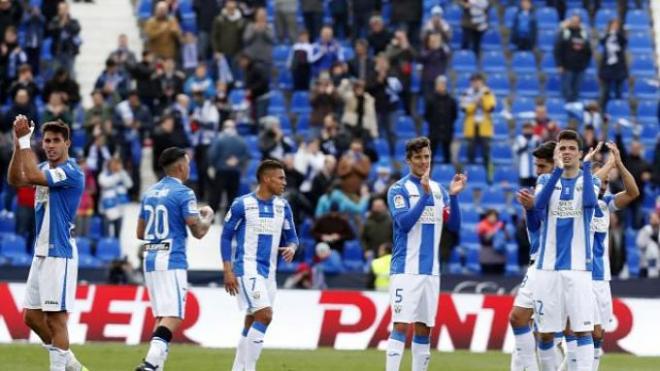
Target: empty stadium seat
<point x="491" y="40"/>
<point x="455" y="265"/>
<point x="13" y="248"/>
<point x="499" y="83"/>
<point x="277" y="103"/>
<point x="95" y="228"/>
<point x="637" y="19"/>
<point x="464" y="61"/>
<point x="501" y="154"/>
<point x="108" y="249"/>
<point x="493" y="61"/>
<point x="527" y="84"/>
<point x="618" y="108"/>
<point x="405" y="126"/>
<point x="546" y="40"/>
<point x="640" y="42"/>
<point x="300" y="102"/>
<point x="511" y="267"/>
<point x="7" y="223"/>
<point x="547" y="17"/>
<point x="523" y="62"/>
<point x="476" y="174"/>
<point x="643" y="65"/>
<point x="493" y="198"/>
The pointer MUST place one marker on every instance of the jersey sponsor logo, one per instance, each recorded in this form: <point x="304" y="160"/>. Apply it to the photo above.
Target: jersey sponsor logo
<point x="566" y="209"/>
<point x="192" y="207"/>
<point x="428" y="215"/>
<point x="51" y="302"/>
<point x="262" y="226"/>
<point x="58" y="175"/>
<point x="163" y="246"/>
<point x="399" y="202"/>
<point x="41" y="194"/>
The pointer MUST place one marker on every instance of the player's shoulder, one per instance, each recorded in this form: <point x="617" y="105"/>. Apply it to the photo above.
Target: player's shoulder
<point x="542" y="179"/>
<point x="399" y="186"/>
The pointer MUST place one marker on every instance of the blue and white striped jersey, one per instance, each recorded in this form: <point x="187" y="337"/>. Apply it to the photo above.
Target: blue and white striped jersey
<point x="55" y="209"/>
<point x="260" y="228"/>
<point x="600" y="226"/>
<point x="165" y="207"/>
<point x="566" y="211"/>
<point x="417" y="235"/>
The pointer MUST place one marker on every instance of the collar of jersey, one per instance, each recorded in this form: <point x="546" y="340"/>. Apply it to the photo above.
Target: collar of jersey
<point x="269" y="201"/>
<point x="174" y="179"/>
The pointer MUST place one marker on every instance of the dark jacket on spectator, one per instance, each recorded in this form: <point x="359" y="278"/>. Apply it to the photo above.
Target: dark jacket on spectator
<point x="311" y="6"/>
<point x="572" y="50"/>
<point x="10" y="17"/>
<point x="613" y="63"/>
<point x="524" y="30"/>
<point x="441" y="111"/>
<point x="68" y="86"/>
<point x="406" y="10"/>
<point x="206" y="10"/>
<point x="434" y="63"/>
<point x="257" y="80"/>
<point x="227" y="34"/>
<point x="378" y="41"/>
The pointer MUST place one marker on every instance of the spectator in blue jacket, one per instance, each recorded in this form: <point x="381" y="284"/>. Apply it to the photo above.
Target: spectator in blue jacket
<point x="200" y="81"/>
<point x="524" y="28"/>
<point x="325" y="52"/>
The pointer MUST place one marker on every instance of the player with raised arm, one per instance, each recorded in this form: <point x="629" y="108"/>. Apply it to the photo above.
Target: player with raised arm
<point x="51" y="283"/>
<point x="566" y="200"/>
<point x="419" y="208"/>
<point x="600" y="226"/>
<point x="523" y="356"/>
<point x="166" y="209"/>
<point x="262" y="223"/>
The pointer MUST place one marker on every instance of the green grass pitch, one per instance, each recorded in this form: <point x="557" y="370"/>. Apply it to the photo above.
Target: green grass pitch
<point x="113" y="357"/>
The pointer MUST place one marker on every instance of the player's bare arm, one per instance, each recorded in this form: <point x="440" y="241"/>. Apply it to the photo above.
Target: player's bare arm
<point x="288" y="252"/>
<point x="231" y="284"/>
<point x="631" y="192"/>
<point x="140" y="229"/>
<point x="15" y="175"/>
<point x="201" y="224"/>
<point x="31" y="173"/>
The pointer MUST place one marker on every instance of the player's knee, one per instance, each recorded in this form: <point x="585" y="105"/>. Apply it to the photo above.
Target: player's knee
<point x="401" y="327"/>
<point x="29" y="318"/>
<point x="547" y="337"/>
<point x="264" y="316"/>
<point x="598" y="333"/>
<point x="56" y="321"/>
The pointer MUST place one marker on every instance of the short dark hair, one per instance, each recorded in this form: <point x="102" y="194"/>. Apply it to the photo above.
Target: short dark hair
<point x="57" y="127"/>
<point x="170" y="156"/>
<point x="570" y="135"/>
<point x="545" y="151"/>
<point x="415" y="145"/>
<point x="267" y="165"/>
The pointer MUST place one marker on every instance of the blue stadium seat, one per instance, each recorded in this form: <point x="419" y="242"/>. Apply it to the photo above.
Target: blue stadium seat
<point x="552" y="85"/>
<point x="589" y="88"/>
<point x="236" y="97"/>
<point x="632" y="253"/>
<point x="13" y="247"/>
<point x="285" y="123"/>
<point x="455" y="265"/>
<point x="637" y="19"/>
<point x="469" y="214"/>
<point x="456" y="38"/>
<point x="284" y="80"/>
<point x="493" y="197"/>
<point x="545" y="40"/>
<point x="443" y="173"/>
<point x="645" y="89"/>
<point x="499" y="83"/>
<point x="491" y="40"/>
<point x="527" y="84"/>
<point x="468" y="235"/>
<point x="7" y="223"/>
<point x="548" y="64"/>
<point x="647" y="109"/>
<point x="302" y="125"/>
<point x="353" y="256"/>
<point x="649" y="131"/>
<point x="416" y="79"/>
<point x="277" y="103"/>
<point x="511" y="267"/>
<point x="476" y="175"/>
<point x="405" y="126"/>
<point x="85" y="257"/>
<point x="46" y="45"/>
<point x="78" y="139"/>
<point x="643" y="65"/>
<point x="584" y="15"/>
<point x="281" y="55"/>
<point x="522" y="104"/>
<point x="501" y="154"/>
<point x="95" y="228"/>
<point x="547" y="18"/>
<point x="508" y="174"/>
<point x="144" y="9"/>
<point x="464" y="61"/>
<point x="523" y="62"/>
<point x="640" y="42"/>
<point x="300" y="102"/>
<point x="453" y="14"/>
<point x="472" y="258"/>
<point x="510" y="15"/>
<point x="493" y="61"/>
<point x="108" y="249"/>
<point x="349" y="53"/>
<point x="603" y="16"/>
<point x="618" y="108"/>
<point x="462" y="82"/>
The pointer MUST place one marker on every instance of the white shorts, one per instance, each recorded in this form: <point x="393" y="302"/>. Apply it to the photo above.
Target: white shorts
<point x="525" y="295"/>
<point x="603" y="308"/>
<point x="256" y="293"/>
<point x="167" y="292"/>
<point x="562" y="295"/>
<point x="51" y="284"/>
<point x="414" y="298"/>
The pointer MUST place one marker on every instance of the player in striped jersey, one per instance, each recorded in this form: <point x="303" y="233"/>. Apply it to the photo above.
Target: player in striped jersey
<point x="51" y="283"/>
<point x="262" y="223"/>
<point x="566" y="200"/>
<point x="523" y="356"/>
<point x="166" y="209"/>
<point x="419" y="208"/>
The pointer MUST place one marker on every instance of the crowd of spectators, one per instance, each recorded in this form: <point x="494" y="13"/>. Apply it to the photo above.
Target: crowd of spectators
<point x="289" y="80"/>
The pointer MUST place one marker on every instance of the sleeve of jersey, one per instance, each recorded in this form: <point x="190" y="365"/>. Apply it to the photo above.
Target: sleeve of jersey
<point x="189" y="204"/>
<point x="454" y="210"/>
<point x="289" y="228"/>
<point x="533" y="219"/>
<point x="545" y="188"/>
<point x="609" y="201"/>
<point x="589" y="198"/>
<point x="404" y="217"/>
<point x="232" y="221"/>
<point x="64" y="176"/>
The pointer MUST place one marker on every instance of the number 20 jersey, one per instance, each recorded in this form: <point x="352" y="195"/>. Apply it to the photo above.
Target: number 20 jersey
<point x="164" y="209"/>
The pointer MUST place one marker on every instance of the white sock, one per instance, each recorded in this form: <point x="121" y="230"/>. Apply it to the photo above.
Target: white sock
<point x="523" y="355"/>
<point x="547" y="356"/>
<point x="157" y="352"/>
<point x="598" y="352"/>
<point x="72" y="364"/>
<point x="395" y="347"/>
<point x="585" y="353"/>
<point x="421" y="352"/>
<point x="239" y="360"/>
<point x="255" y="341"/>
<point x="571" y="353"/>
<point x="57" y="359"/>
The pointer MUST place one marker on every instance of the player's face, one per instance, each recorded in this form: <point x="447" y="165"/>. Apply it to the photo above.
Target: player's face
<point x="420" y="161"/>
<point x="570" y="152"/>
<point x="55" y="146"/>
<point x="543" y="166"/>
<point x="275" y="181"/>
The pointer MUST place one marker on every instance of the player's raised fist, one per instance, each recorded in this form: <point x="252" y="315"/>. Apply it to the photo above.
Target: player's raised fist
<point x="21" y="126"/>
<point x="592" y="152"/>
<point x="457" y="184"/>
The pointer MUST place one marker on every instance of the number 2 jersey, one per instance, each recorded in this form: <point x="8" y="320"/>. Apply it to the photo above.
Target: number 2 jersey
<point x="600" y="226"/>
<point x="164" y="208"/>
<point x="260" y="228"/>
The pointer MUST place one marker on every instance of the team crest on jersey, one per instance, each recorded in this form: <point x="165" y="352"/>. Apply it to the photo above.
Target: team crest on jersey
<point x="256" y="295"/>
<point x="279" y="209"/>
<point x="397" y="308"/>
<point x="228" y="216"/>
<point x="399" y="202"/>
<point x="192" y="206"/>
<point x="57" y="174"/>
